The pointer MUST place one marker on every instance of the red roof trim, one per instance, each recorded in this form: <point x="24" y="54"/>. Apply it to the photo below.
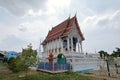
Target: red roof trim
<point x="79" y="30"/>
<point x="63" y="29"/>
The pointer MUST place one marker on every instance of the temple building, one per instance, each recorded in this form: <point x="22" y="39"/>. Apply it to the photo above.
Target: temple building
<point x="64" y="38"/>
<point x="67" y="38"/>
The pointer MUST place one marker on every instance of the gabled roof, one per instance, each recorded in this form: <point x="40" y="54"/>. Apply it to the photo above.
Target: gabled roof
<point x="62" y="30"/>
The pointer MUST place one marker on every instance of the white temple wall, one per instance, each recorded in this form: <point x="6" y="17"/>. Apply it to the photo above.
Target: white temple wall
<point x="80" y="64"/>
<point x="74" y="32"/>
<point x="52" y="45"/>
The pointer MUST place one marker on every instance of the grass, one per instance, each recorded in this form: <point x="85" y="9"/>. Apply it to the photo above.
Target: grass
<point x="2" y="64"/>
<point x="63" y="76"/>
<point x="45" y="76"/>
<point x="118" y="66"/>
<point x="34" y="75"/>
<point x="88" y="73"/>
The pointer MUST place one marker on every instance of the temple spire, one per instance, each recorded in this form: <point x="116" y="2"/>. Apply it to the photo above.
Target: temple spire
<point x="69" y="16"/>
<point x="76" y="14"/>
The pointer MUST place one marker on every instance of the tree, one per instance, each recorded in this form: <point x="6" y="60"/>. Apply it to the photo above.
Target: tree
<point x="116" y="53"/>
<point x="5" y="60"/>
<point x="103" y="54"/>
<point x="29" y="56"/>
<point x="11" y="64"/>
<point x="22" y="62"/>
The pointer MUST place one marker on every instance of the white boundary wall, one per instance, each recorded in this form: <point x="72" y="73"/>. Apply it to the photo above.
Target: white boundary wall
<point x="80" y="64"/>
<point x="80" y="61"/>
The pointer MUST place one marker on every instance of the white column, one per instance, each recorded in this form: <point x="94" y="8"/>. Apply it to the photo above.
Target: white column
<point x="79" y="50"/>
<point x="47" y="47"/>
<point x="81" y="46"/>
<point x="72" y="44"/>
<point x="68" y="48"/>
<point x="51" y="46"/>
<point x="61" y="45"/>
<point x="57" y="45"/>
<point x="78" y="45"/>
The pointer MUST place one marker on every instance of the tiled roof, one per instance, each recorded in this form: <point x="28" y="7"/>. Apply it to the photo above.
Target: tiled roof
<point x="62" y="30"/>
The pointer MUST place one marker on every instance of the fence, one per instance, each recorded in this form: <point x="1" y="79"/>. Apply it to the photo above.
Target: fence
<point x="53" y="66"/>
<point x="108" y="68"/>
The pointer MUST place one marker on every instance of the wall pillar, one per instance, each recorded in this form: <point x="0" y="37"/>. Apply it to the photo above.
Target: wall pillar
<point x="72" y="44"/>
<point x="68" y="46"/>
<point x="81" y="47"/>
<point x="78" y="47"/>
<point x="61" y="45"/>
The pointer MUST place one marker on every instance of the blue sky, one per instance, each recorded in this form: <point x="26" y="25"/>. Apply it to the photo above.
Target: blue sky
<point x="28" y="21"/>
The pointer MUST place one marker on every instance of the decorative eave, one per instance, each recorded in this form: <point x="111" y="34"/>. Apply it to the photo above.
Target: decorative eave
<point x="62" y="30"/>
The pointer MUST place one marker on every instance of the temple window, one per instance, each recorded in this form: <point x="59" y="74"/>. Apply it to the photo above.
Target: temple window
<point x="74" y="43"/>
<point x="70" y="43"/>
<point x="64" y="43"/>
<point x="66" y="49"/>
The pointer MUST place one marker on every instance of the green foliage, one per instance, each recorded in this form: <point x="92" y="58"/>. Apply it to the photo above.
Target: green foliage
<point x="103" y="54"/>
<point x="33" y="75"/>
<point x="20" y="66"/>
<point x="116" y="53"/>
<point x="2" y="76"/>
<point x="11" y="63"/>
<point x="29" y="56"/>
<point x="5" y="60"/>
<point x="27" y="59"/>
<point x="63" y="76"/>
<point x="21" y="63"/>
<point x="59" y="55"/>
<point x="61" y="59"/>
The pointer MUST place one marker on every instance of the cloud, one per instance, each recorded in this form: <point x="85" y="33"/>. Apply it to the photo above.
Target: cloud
<point x="22" y="7"/>
<point x="111" y="21"/>
<point x="99" y="21"/>
<point x="32" y="27"/>
<point x="23" y="27"/>
<point x="102" y="21"/>
<point x="102" y="31"/>
<point x="11" y="42"/>
<point x="34" y="7"/>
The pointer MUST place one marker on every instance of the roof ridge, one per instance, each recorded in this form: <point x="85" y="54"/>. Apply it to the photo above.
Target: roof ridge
<point x="67" y="24"/>
<point x="61" y="23"/>
<point x="62" y="29"/>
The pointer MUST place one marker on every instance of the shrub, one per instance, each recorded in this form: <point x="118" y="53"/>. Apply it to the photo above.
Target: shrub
<point x="11" y="63"/>
<point x="5" y="60"/>
<point x="59" y="55"/>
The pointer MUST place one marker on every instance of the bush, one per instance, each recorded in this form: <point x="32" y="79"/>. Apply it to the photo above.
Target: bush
<point x="20" y="65"/>
<point x="11" y="64"/>
<point x="5" y="60"/>
<point x="59" y="55"/>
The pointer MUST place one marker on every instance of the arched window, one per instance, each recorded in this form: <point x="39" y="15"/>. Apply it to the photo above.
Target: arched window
<point x="64" y="43"/>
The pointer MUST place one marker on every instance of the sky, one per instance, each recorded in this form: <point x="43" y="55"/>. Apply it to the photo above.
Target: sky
<point x="28" y="21"/>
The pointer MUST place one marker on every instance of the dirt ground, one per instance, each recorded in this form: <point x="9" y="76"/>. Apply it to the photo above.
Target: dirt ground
<point x="104" y="76"/>
<point x="4" y="69"/>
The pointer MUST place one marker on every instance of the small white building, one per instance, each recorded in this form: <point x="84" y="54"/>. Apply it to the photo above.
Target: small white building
<point x="67" y="38"/>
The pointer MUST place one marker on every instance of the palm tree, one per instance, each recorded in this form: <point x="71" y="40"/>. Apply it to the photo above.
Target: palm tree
<point x="103" y="54"/>
<point x="116" y="53"/>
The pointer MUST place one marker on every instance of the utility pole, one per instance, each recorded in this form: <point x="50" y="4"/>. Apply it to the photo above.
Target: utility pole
<point x="108" y="67"/>
<point x="116" y="68"/>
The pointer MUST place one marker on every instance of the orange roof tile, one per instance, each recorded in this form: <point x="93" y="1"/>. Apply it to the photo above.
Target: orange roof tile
<point x="62" y="29"/>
